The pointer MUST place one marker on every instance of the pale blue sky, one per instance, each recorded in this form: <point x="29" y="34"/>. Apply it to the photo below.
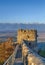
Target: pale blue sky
<point x="22" y="11"/>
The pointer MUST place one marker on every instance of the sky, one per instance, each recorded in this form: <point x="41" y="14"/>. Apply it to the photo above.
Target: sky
<point x="22" y="11"/>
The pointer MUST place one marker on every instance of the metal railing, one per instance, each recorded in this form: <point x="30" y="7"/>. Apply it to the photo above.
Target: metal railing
<point x="11" y="59"/>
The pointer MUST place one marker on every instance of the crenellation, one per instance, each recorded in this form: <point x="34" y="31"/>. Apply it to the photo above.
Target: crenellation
<point x="30" y="35"/>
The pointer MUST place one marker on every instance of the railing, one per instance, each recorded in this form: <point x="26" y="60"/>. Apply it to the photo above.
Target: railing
<point x="11" y="59"/>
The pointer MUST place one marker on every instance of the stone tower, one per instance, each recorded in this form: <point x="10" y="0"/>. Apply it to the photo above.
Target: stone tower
<point x="29" y="35"/>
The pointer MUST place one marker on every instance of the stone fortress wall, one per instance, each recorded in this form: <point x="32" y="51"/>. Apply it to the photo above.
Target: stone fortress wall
<point x="30" y="57"/>
<point x="29" y="35"/>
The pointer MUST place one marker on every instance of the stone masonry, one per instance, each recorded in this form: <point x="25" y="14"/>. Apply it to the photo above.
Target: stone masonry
<point x="28" y="35"/>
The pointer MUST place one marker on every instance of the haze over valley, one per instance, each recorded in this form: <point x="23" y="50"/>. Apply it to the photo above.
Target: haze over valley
<point x="10" y="30"/>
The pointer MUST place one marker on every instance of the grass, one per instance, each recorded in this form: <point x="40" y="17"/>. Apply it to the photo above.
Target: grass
<point x="42" y="53"/>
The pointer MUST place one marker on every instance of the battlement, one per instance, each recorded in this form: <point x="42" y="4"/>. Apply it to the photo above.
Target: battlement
<point x="30" y="35"/>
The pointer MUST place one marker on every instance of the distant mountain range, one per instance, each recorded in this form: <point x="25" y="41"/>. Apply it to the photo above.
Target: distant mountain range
<point x="7" y="27"/>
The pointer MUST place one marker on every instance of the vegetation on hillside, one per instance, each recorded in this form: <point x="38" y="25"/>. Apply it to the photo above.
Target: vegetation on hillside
<point x="6" y="49"/>
<point x="41" y="53"/>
